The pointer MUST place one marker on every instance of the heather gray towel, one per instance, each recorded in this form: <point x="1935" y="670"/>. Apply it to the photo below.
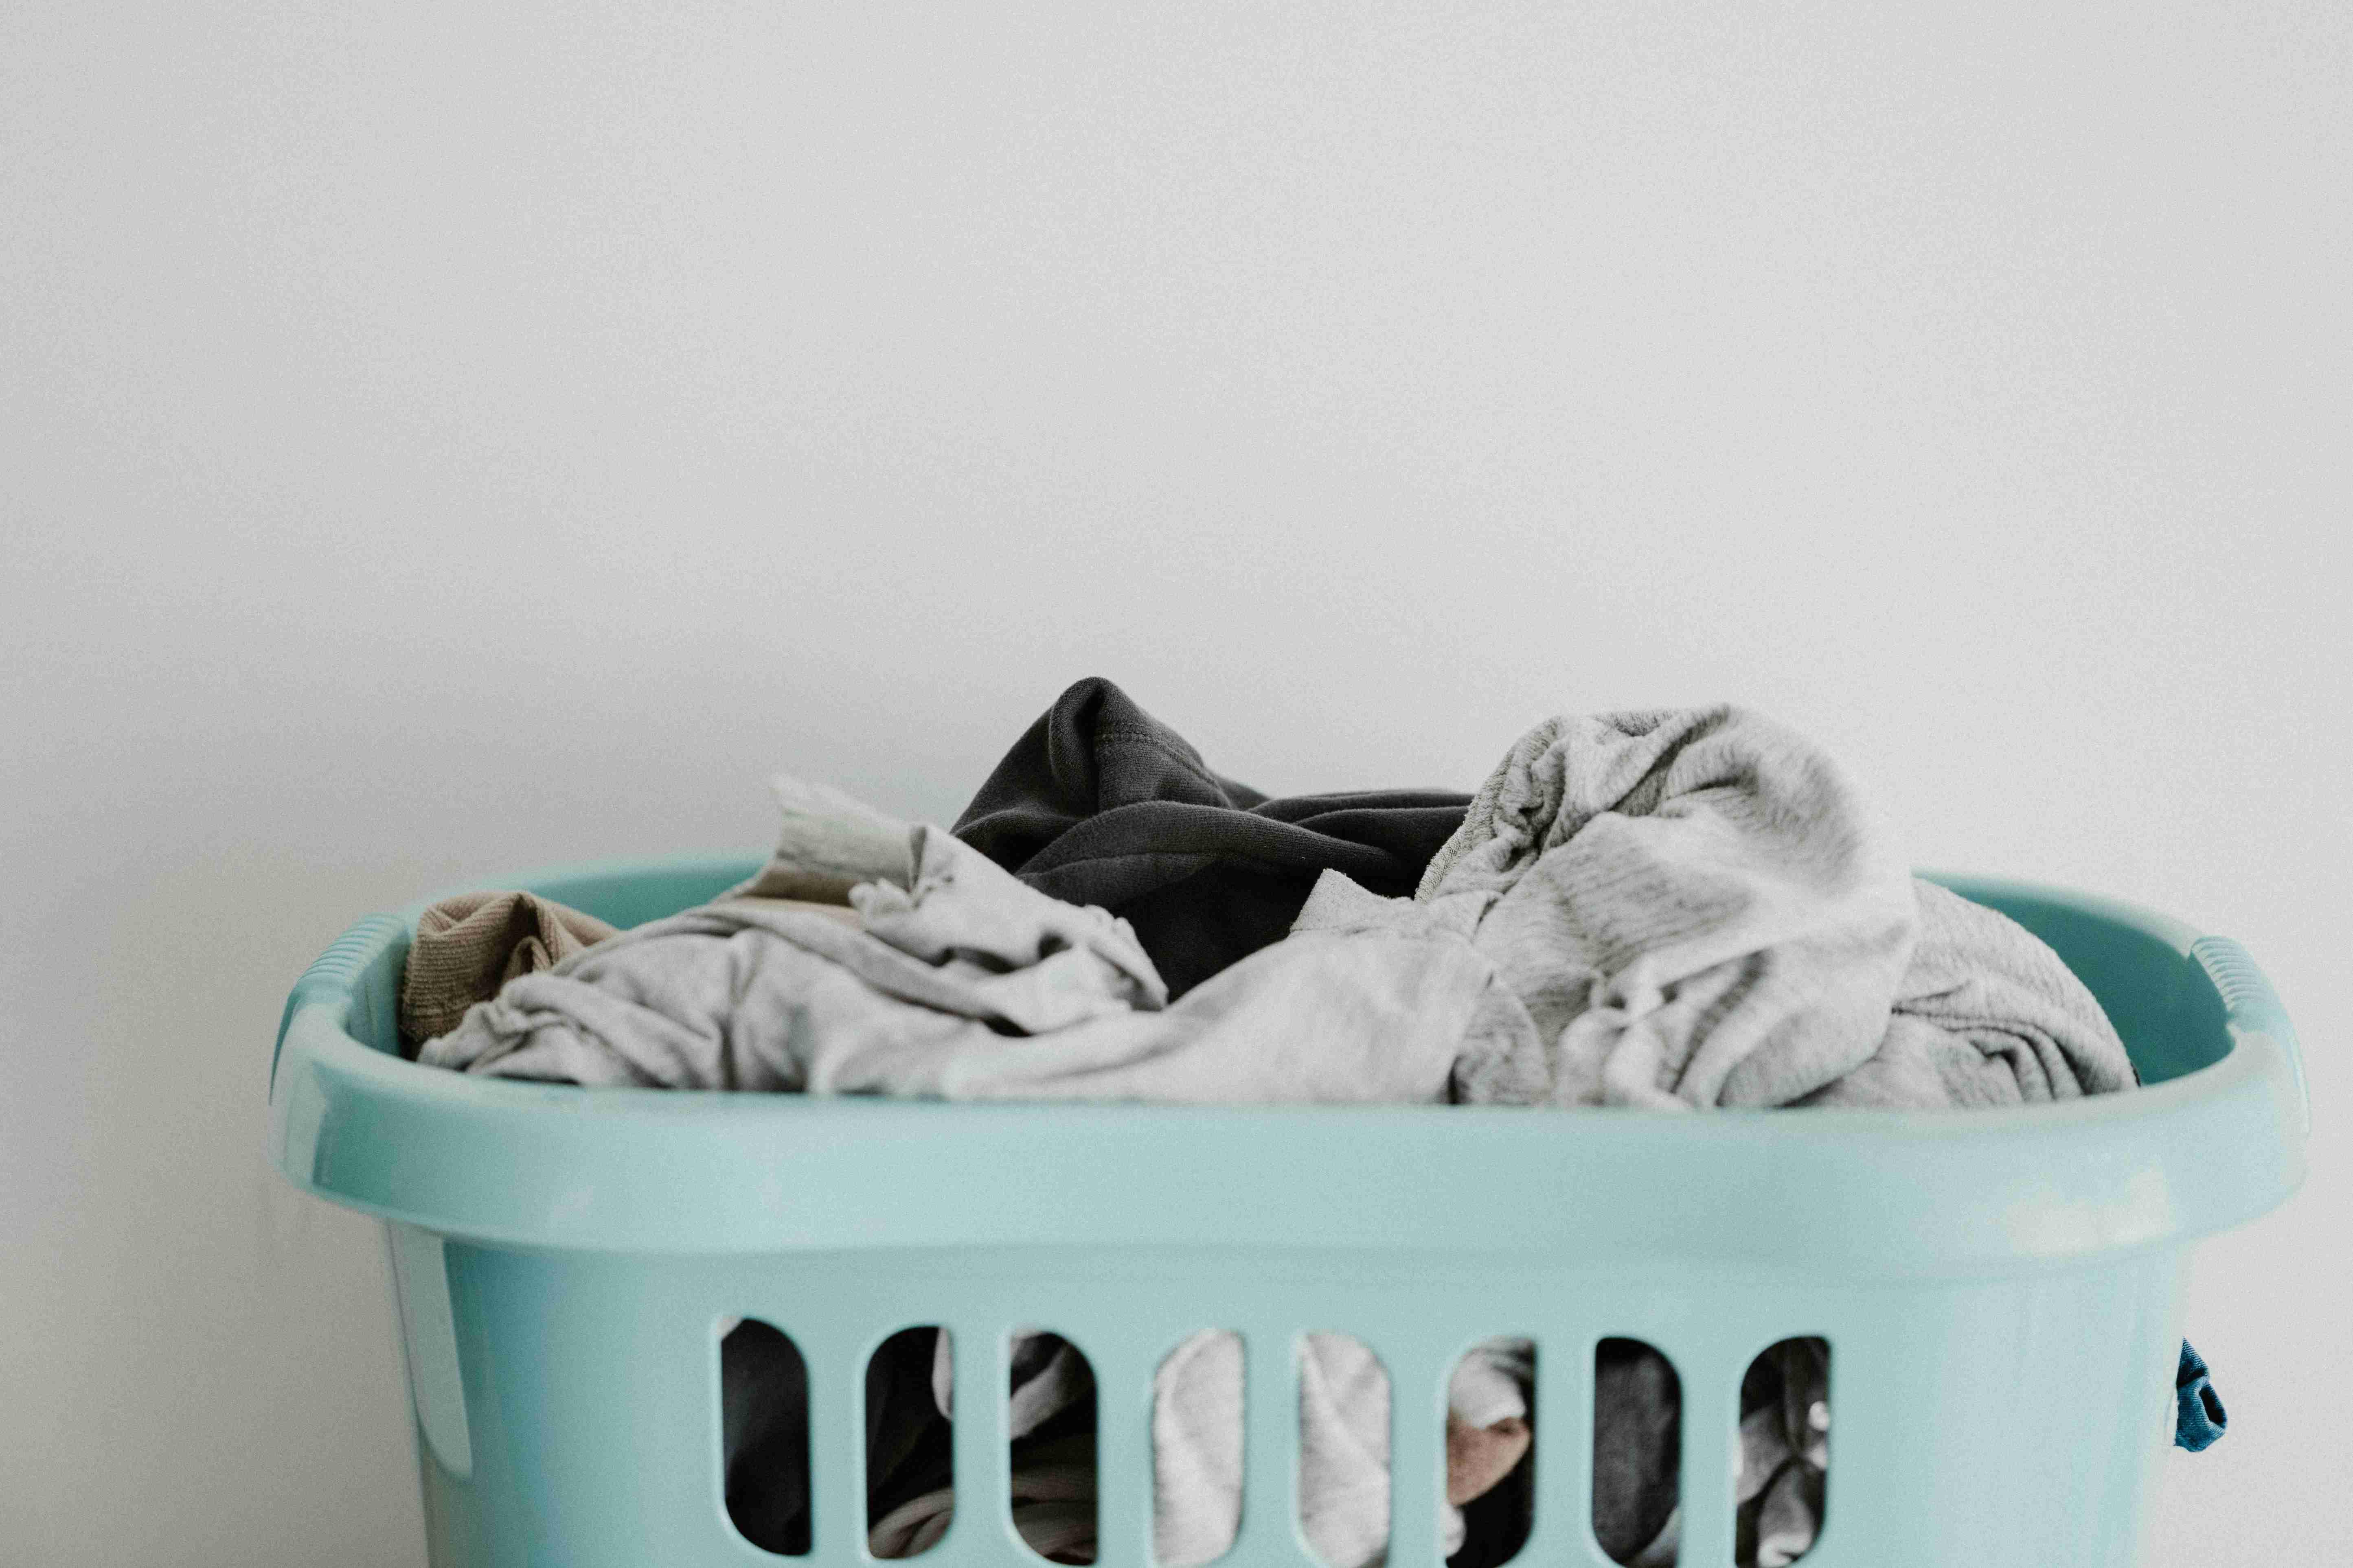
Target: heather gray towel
<point x="1986" y="1015"/>
<point x="1695" y="907"/>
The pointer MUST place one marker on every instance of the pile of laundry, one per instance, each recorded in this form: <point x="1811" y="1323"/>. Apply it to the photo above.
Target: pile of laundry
<point x="1670" y="909"/>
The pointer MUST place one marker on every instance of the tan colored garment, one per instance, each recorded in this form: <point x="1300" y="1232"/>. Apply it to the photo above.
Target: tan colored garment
<point x="468" y="946"/>
<point x="1478" y="1458"/>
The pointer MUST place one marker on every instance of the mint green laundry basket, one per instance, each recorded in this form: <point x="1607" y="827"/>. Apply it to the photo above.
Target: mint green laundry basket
<point x="2000" y="1289"/>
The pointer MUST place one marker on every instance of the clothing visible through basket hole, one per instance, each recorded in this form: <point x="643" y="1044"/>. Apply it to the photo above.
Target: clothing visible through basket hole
<point x="1344" y="1451"/>
<point x="764" y="1436"/>
<point x="1197" y="1449"/>
<point x="1197" y="1425"/>
<point x="1491" y="1453"/>
<point x="910" y="1456"/>
<point x="1782" y="1494"/>
<point x="1637" y="1453"/>
<point x="1051" y="1428"/>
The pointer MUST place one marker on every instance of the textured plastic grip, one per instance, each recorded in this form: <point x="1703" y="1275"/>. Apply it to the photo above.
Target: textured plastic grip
<point x="333" y="973"/>
<point x="2253" y="1005"/>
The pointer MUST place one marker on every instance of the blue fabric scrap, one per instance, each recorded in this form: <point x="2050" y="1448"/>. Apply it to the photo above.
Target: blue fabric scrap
<point x="2199" y="1417"/>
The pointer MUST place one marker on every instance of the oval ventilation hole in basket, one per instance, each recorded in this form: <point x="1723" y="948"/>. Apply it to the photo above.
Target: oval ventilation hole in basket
<point x="910" y="1446"/>
<point x="763" y="1435"/>
<point x="1783" y="1489"/>
<point x="1051" y="1428"/>
<point x="1490" y="1437"/>
<point x="1637" y="1450"/>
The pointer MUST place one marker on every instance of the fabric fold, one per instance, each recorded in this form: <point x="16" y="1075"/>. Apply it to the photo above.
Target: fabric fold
<point x="1100" y="802"/>
<point x="1696" y="908"/>
<point x="966" y="983"/>
<point x="466" y="947"/>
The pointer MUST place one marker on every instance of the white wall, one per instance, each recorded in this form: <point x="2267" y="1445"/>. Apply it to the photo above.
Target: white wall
<point x="435" y="444"/>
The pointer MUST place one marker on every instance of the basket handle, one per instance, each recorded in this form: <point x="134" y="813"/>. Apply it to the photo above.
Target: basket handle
<point x="2253" y="1008"/>
<point x="333" y="974"/>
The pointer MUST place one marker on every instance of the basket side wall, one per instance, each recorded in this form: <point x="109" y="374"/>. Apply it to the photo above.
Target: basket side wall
<point x="1973" y="1422"/>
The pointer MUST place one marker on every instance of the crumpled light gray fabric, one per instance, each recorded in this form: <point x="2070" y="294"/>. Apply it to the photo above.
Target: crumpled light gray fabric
<point x="1696" y="908"/>
<point x="965" y="984"/>
<point x="1986" y="1015"/>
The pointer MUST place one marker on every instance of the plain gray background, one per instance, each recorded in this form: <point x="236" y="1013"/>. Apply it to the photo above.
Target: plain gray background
<point x="437" y="444"/>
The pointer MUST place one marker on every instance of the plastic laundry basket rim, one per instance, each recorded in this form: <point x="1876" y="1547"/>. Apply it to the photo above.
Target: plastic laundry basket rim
<point x="1914" y="1192"/>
